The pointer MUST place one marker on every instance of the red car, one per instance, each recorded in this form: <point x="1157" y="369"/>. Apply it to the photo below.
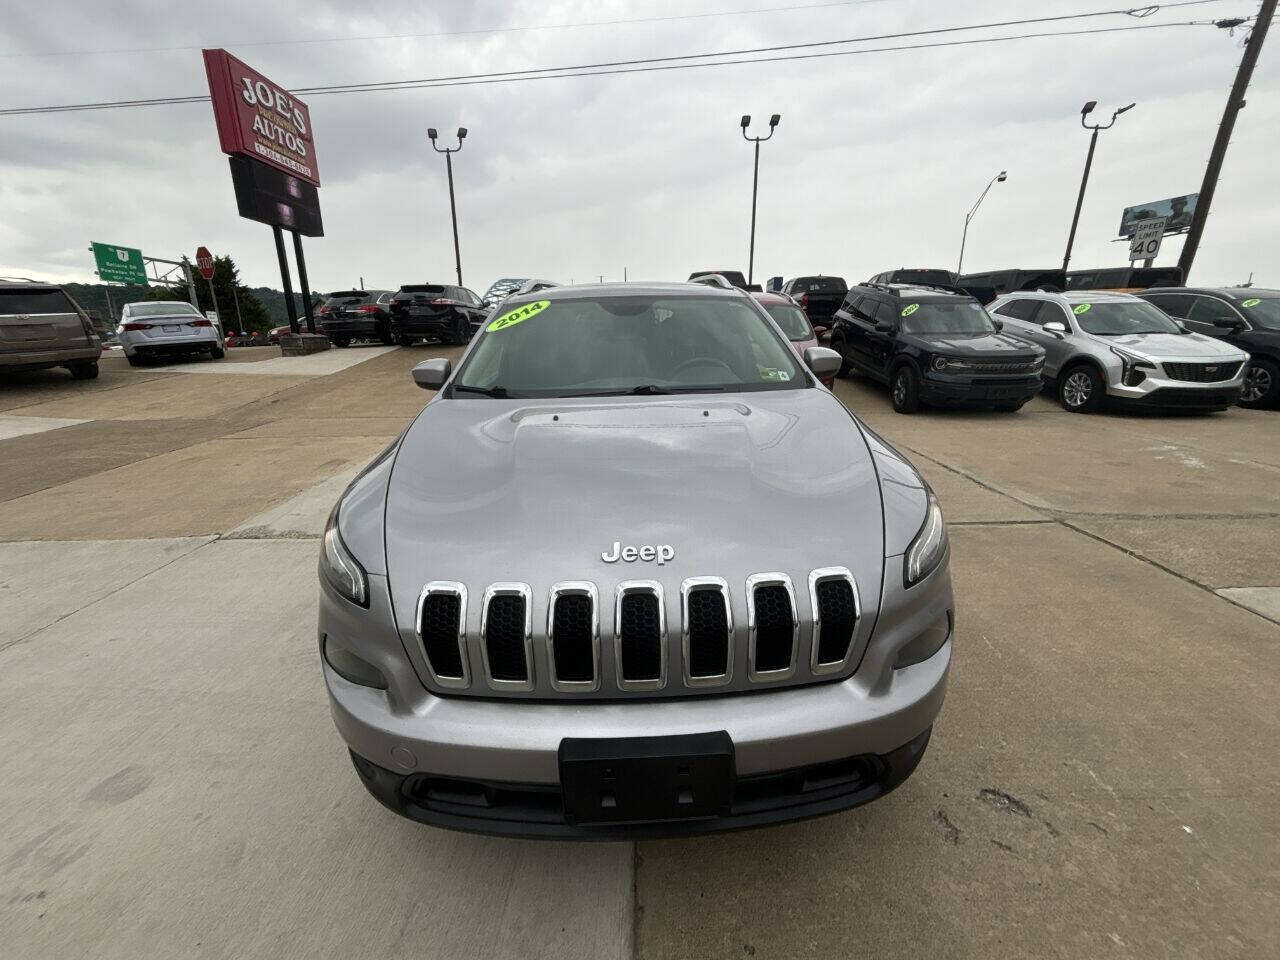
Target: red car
<point x="274" y="334"/>
<point x="794" y="323"/>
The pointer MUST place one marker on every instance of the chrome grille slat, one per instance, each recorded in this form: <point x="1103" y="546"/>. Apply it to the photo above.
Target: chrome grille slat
<point x="564" y="664"/>
<point x="775" y="587"/>
<point x="716" y="648"/>
<point x="623" y="645"/>
<point x="820" y="660"/>
<point x="516" y="666"/>
<point x="440" y="665"/>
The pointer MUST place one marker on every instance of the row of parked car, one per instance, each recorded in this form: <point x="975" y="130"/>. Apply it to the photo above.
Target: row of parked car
<point x="937" y="339"/>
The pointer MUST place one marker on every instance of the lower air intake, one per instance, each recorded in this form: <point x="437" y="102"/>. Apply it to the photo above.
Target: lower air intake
<point x="504" y="637"/>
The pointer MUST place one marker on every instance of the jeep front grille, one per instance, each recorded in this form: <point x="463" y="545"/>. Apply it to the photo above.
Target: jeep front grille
<point x="441" y="619"/>
<point x="505" y="636"/>
<point x="1202" y="372"/>
<point x="626" y="644"/>
<point x="708" y="631"/>
<point x="573" y="636"/>
<point x="640" y="636"/>
<point x="771" y="622"/>
<point x="834" y="598"/>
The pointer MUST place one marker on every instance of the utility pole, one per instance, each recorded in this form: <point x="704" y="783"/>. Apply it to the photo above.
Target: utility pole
<point x="1235" y="103"/>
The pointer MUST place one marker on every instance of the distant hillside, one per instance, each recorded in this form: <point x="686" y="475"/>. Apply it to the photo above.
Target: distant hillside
<point x="94" y="298"/>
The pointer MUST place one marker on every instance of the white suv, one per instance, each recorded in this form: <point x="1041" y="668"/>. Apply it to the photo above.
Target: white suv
<point x="1118" y="348"/>
<point x="154" y="328"/>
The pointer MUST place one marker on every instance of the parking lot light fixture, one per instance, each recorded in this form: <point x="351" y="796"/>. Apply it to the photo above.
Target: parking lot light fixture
<point x="453" y="208"/>
<point x="755" y="183"/>
<point x="1088" y="162"/>
<point x="1000" y="177"/>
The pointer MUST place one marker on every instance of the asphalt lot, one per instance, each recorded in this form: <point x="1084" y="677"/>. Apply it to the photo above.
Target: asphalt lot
<point x="1102" y="782"/>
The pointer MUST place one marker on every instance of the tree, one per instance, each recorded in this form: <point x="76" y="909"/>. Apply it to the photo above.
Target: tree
<point x="231" y="294"/>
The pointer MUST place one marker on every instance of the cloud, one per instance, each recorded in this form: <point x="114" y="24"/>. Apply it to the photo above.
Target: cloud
<point x="875" y="162"/>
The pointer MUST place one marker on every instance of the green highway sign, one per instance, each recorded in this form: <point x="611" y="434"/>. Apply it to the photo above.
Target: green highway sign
<point x="119" y="264"/>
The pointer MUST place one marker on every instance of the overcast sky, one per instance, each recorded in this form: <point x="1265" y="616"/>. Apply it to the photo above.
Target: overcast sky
<point x="877" y="158"/>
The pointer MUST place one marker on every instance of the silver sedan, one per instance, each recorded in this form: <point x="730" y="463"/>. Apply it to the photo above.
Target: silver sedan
<point x="166" y="328"/>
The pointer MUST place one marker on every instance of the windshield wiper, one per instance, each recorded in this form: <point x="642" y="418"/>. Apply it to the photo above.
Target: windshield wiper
<point x="649" y="389"/>
<point x="498" y="392"/>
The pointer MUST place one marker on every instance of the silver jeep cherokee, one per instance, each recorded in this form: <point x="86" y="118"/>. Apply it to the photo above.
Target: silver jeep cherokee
<point x="634" y="572"/>
<point x="1113" y="347"/>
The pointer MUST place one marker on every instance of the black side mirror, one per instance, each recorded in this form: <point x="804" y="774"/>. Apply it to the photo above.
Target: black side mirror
<point x="998" y="324"/>
<point x="884" y="326"/>
<point x="1234" y="324"/>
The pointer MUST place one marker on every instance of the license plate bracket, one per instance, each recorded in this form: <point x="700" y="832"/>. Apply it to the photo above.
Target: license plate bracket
<point x="646" y="779"/>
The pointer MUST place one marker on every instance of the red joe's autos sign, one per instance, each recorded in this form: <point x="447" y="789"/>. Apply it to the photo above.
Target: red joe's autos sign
<point x="258" y="118"/>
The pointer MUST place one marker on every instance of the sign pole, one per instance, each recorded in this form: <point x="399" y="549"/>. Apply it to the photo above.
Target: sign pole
<point x="302" y="281"/>
<point x="214" y="297"/>
<point x="289" y="306"/>
<point x="191" y="283"/>
<point x="111" y="310"/>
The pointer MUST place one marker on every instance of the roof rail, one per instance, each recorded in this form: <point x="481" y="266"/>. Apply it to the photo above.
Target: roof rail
<point x="714" y="280"/>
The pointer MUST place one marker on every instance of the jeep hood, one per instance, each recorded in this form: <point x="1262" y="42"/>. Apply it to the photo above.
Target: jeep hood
<point x="486" y="490"/>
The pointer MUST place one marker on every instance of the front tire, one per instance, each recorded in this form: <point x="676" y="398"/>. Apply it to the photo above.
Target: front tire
<point x="404" y="340"/>
<point x="904" y="388"/>
<point x="84" y="371"/>
<point x="217" y="353"/>
<point x="341" y="342"/>
<point x="1261" y="384"/>
<point x="384" y="334"/>
<point x="845" y="368"/>
<point x="1081" y="389"/>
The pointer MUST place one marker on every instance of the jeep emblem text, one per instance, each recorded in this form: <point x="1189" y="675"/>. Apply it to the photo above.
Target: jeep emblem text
<point x="662" y="553"/>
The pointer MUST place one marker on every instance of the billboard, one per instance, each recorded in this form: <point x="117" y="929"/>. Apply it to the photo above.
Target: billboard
<point x="272" y="197"/>
<point x="1176" y="211"/>
<point x="260" y="119"/>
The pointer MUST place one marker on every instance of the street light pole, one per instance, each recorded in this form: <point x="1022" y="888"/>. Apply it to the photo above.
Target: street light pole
<point x="1088" y="162"/>
<point x="998" y="178"/>
<point x="755" y="185"/>
<point x="453" y="207"/>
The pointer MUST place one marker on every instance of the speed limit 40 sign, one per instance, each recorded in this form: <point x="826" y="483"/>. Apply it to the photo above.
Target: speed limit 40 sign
<point x="1145" y="242"/>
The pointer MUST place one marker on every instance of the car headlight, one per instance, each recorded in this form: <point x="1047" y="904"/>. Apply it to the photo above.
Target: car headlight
<point x="342" y="571"/>
<point x="1132" y="369"/>
<point x="928" y="549"/>
<point x="953" y="364"/>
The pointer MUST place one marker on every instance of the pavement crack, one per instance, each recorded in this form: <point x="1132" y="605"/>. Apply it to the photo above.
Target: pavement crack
<point x="1004" y="801"/>
<point x="950" y="832"/>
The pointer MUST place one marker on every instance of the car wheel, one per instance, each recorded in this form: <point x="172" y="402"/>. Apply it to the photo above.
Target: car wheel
<point x="341" y="342"/>
<point x="1261" y="384"/>
<point x="1081" y="390"/>
<point x="905" y="389"/>
<point x="135" y="360"/>
<point x="384" y="334"/>
<point x="404" y="340"/>
<point x="217" y="353"/>
<point x="85" y="371"/>
<point x="462" y="332"/>
<point x="845" y="368"/>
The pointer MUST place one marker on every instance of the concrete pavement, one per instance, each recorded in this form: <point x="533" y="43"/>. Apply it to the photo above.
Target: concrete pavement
<point x="1100" y="782"/>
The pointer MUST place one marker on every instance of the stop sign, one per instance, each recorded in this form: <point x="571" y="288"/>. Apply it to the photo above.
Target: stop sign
<point x="204" y="263"/>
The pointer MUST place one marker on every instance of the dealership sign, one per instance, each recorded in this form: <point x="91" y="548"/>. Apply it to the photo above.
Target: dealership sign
<point x="1177" y="213"/>
<point x="258" y="118"/>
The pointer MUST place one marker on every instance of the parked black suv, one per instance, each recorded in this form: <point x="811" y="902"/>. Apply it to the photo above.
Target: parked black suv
<point x="356" y="315"/>
<point x="431" y="311"/>
<point x="1245" y="317"/>
<point x="916" y="275"/>
<point x="820" y="297"/>
<point x="933" y="346"/>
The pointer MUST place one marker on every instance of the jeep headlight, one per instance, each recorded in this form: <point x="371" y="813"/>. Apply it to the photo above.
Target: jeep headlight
<point x="339" y="568"/>
<point x="928" y="549"/>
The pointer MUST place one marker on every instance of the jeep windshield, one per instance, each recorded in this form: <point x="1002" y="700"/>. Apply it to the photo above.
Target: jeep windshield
<point x="634" y="344"/>
<point x="1263" y="312"/>
<point x="945" y="317"/>
<point x="1122" y="318"/>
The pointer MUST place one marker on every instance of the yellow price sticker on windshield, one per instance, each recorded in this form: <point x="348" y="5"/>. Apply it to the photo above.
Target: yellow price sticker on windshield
<point x="1252" y="302"/>
<point x="1084" y="308"/>
<point x="518" y="315"/>
<point x="909" y="309"/>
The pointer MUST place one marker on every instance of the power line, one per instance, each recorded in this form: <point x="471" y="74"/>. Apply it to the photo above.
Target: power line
<point x="457" y="33"/>
<point x="653" y="64"/>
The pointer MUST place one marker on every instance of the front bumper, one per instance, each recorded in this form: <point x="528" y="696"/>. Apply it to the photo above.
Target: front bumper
<point x="960" y="391"/>
<point x="1156" y="391"/>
